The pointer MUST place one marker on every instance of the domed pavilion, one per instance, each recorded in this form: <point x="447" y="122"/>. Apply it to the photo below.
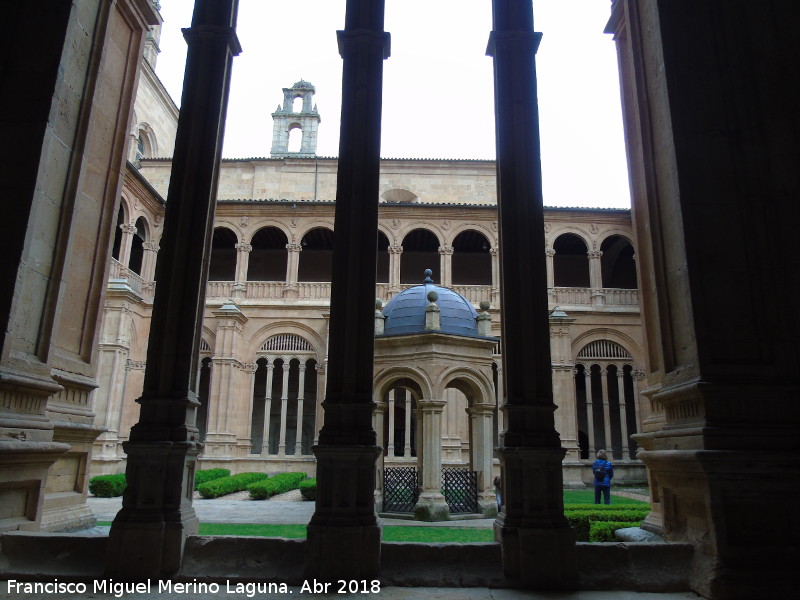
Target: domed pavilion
<point x="429" y="339"/>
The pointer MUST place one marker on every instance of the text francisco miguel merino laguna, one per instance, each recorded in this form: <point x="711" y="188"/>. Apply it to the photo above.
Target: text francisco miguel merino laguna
<point x="250" y="589"/>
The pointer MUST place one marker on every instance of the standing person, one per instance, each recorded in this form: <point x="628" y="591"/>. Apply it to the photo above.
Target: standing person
<point x="497" y="491"/>
<point x="603" y="472"/>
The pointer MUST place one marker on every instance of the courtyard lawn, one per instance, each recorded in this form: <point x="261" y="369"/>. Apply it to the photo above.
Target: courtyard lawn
<point x="587" y="497"/>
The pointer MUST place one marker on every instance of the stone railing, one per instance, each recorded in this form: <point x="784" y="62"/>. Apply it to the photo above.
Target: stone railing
<point x="314" y="290"/>
<point x="264" y="290"/>
<point x="474" y="293"/>
<point x="566" y="296"/>
<point x="611" y="297"/>
<point x="219" y="289"/>
<point x="144" y="289"/>
<point x="619" y="297"/>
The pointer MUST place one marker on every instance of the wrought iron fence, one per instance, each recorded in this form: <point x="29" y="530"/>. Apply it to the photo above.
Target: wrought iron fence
<point x="460" y="489"/>
<point x="400" y="489"/>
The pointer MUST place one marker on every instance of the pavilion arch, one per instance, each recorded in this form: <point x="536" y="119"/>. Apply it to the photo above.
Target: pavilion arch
<point x="411" y="378"/>
<point x="420" y="251"/>
<point x="571" y="261"/>
<point x="472" y="259"/>
<point x="398" y="390"/>
<point x="472" y="383"/>
<point x="268" y="256"/>
<point x="222" y="265"/>
<point x="316" y="258"/>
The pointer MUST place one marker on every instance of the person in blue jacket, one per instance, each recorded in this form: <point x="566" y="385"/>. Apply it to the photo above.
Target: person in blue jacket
<point x="603" y="472"/>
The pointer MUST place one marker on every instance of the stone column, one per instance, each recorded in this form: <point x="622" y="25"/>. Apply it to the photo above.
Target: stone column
<point x="495" y="295"/>
<point x="389" y="449"/>
<point x="538" y="545"/>
<point x="549" y="254"/>
<point x="344" y="535"/>
<point x="286" y="369"/>
<point x="623" y="417"/>
<point x="292" y="267"/>
<point x="587" y="377"/>
<point x="606" y="410"/>
<point x="301" y="388"/>
<point x="407" y="431"/>
<point x="431" y="505"/>
<point x="596" y="278"/>
<point x="395" y="254"/>
<point x="242" y="261"/>
<point x="267" y="407"/>
<point x="148" y="534"/>
<point x="319" y="413"/>
<point x="126" y="240"/>
<point x="150" y="250"/>
<point x="223" y="427"/>
<point x="481" y="445"/>
<point x="446" y="266"/>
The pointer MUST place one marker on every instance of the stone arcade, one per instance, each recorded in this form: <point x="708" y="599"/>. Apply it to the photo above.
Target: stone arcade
<point x="711" y="120"/>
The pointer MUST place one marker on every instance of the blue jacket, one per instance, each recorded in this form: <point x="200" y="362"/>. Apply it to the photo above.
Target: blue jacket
<point x="609" y="472"/>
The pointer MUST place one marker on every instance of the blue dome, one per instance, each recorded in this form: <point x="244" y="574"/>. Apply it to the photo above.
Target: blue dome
<point x="405" y="313"/>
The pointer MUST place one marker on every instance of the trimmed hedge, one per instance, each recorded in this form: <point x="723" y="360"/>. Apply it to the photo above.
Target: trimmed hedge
<point x="603" y="531"/>
<point x="229" y="485"/>
<point x="206" y="475"/>
<point x="108" y="486"/>
<point x="277" y="484"/>
<point x="581" y="519"/>
<point x="308" y="489"/>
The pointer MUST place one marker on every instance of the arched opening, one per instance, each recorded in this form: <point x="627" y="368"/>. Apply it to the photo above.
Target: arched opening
<point x="137" y="246"/>
<point x="317" y="255"/>
<point x="570" y="263"/>
<point x="472" y="262"/>
<point x="222" y="266"/>
<point x="456" y="438"/>
<point x="420" y="252"/>
<point x="297" y="105"/>
<point x="295" y="138"/>
<point x="383" y="258"/>
<point x="117" y="246"/>
<point x="202" y="396"/>
<point x="400" y="430"/>
<point x="267" y="260"/>
<point x="617" y="263"/>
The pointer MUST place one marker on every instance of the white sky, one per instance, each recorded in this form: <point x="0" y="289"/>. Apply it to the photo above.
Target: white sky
<point x="438" y="93"/>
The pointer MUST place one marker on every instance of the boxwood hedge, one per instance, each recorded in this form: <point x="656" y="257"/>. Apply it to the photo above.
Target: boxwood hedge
<point x="603" y="531"/>
<point x="308" y="489"/>
<point x="277" y="484"/>
<point x="581" y="518"/>
<point x="107" y="486"/>
<point x="206" y="475"/>
<point x="229" y="485"/>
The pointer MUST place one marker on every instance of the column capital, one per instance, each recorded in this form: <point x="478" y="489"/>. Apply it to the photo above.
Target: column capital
<point x="550" y="252"/>
<point x="151" y="246"/>
<point x="494" y="251"/>
<point x="596" y="254"/>
<point x="446" y="250"/>
<point x="242" y="247"/>
<point x="294" y="247"/>
<point x="395" y="249"/>
<point x="128" y="228"/>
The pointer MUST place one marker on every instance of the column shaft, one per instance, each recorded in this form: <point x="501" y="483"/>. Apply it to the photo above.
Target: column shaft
<point x="148" y="534"/>
<point x="623" y="417"/>
<point x="298" y="437"/>
<point x="267" y="407"/>
<point x="407" y="431"/>
<point x="606" y="411"/>
<point x="587" y="374"/>
<point x="390" y="447"/>
<point x="284" y="405"/>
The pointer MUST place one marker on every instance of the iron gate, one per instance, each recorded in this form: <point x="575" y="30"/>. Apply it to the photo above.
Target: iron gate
<point x="460" y="489"/>
<point x="400" y="489"/>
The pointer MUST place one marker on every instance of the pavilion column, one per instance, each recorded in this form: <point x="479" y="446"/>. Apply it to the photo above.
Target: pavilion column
<point x="395" y="254"/>
<point x="407" y="430"/>
<point x="286" y="369"/>
<point x="242" y="261"/>
<point x="481" y="443"/>
<point x="148" y="534"/>
<point x="623" y="416"/>
<point x="587" y="377"/>
<point x="267" y="407"/>
<point x="221" y="435"/>
<point x="389" y="448"/>
<point x="344" y="535"/>
<point x="292" y="269"/>
<point x="606" y="410"/>
<point x="318" y="413"/>
<point x="150" y="251"/>
<point x="538" y="545"/>
<point x="495" y="294"/>
<point x="551" y="274"/>
<point x="126" y="241"/>
<point x="379" y="424"/>
<point x="431" y="505"/>
<point x="446" y="266"/>
<point x="596" y="278"/>
<point x="301" y="390"/>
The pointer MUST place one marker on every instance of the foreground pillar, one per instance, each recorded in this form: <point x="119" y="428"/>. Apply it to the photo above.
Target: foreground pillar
<point x="344" y="535"/>
<point x="538" y="545"/>
<point x="148" y="534"/>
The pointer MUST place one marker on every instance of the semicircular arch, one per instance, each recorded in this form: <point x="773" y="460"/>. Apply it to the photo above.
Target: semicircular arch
<point x="384" y="380"/>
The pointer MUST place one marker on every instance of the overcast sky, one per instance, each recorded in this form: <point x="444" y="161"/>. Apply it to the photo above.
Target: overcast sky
<point x="438" y="96"/>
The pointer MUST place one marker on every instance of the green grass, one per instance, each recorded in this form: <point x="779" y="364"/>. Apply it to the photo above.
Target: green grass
<point x="587" y="497"/>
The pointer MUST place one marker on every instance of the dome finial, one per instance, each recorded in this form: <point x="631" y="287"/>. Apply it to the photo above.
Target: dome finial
<point x="428" y="274"/>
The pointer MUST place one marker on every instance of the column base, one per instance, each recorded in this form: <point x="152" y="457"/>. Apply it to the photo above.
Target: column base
<point x="431" y="506"/>
<point x="537" y="558"/>
<point x="487" y="505"/>
<point x="344" y="535"/>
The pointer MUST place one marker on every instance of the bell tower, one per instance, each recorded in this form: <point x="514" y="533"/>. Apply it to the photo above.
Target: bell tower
<point x="299" y="117"/>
